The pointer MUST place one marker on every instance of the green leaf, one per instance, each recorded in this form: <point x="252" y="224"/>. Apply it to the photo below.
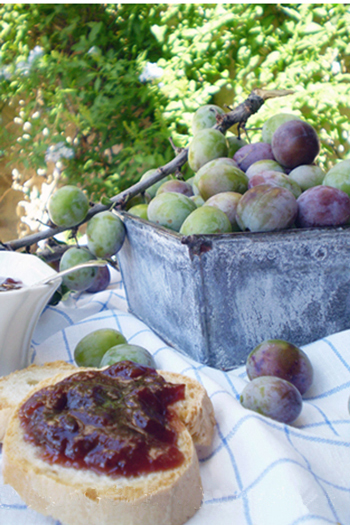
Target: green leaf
<point x="159" y="32"/>
<point x="96" y="28"/>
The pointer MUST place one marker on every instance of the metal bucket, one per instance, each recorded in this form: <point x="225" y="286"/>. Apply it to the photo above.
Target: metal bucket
<point x="215" y="297"/>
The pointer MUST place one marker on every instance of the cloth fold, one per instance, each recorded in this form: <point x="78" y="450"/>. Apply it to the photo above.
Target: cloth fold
<point x="258" y="471"/>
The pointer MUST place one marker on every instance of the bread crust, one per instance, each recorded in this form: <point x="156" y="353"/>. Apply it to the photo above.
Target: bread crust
<point x="78" y="497"/>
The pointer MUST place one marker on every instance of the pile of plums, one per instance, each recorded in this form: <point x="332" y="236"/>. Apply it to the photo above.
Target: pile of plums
<point x="263" y="186"/>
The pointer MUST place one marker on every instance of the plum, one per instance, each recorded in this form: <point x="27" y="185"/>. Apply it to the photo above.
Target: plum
<point x="339" y="176"/>
<point x="92" y="347"/>
<point x="176" y="186"/>
<point x="275" y="357"/>
<point x="226" y="202"/>
<point x="307" y="176"/>
<point x="251" y="153"/>
<point x="205" y="117"/>
<point x="170" y="210"/>
<point x="140" y="210"/>
<point x="122" y="352"/>
<point x="205" y="220"/>
<point x="323" y="206"/>
<point x="266" y="208"/>
<point x="68" y="206"/>
<point x="275" y="178"/>
<point x="262" y="165"/>
<point x="273" y="397"/>
<point x="220" y="175"/>
<point x="105" y="234"/>
<point x="206" y="145"/>
<point x="295" y="143"/>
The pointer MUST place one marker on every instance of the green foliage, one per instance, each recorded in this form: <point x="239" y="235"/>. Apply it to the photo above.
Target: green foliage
<point x="85" y="81"/>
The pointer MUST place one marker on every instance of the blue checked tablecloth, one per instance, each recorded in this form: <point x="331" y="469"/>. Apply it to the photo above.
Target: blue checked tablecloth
<point x="259" y="472"/>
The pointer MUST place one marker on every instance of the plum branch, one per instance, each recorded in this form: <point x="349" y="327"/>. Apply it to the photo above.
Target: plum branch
<point x="239" y="115"/>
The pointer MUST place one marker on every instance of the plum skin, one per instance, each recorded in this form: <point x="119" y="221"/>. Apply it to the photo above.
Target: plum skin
<point x="251" y="153"/>
<point x="295" y="143"/>
<point x="282" y="359"/>
<point x="272" y="397"/>
<point x="323" y="206"/>
<point x="266" y="208"/>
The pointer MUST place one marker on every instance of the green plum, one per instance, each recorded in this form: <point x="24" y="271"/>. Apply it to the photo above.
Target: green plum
<point x="234" y="144"/>
<point x="140" y="210"/>
<point x="198" y="200"/>
<point x="339" y="176"/>
<point x="206" y="145"/>
<point x="205" y="117"/>
<point x="127" y="352"/>
<point x="307" y="176"/>
<point x="170" y="210"/>
<point x="81" y="279"/>
<point x="205" y="220"/>
<point x="105" y="234"/>
<point x="91" y="348"/>
<point x="68" y="206"/>
<point x="220" y="175"/>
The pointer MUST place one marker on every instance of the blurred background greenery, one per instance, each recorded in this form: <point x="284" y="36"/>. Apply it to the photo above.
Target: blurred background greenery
<point x="91" y="93"/>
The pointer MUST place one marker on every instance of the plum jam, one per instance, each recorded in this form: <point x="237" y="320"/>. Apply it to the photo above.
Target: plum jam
<point x="8" y="283"/>
<point x="115" y="421"/>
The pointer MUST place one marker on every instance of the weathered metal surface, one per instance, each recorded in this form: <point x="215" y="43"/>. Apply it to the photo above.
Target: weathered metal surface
<point x="216" y="297"/>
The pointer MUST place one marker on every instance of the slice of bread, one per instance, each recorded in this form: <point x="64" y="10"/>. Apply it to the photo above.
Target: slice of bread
<point x="15" y="387"/>
<point x="168" y="497"/>
<point x="196" y="410"/>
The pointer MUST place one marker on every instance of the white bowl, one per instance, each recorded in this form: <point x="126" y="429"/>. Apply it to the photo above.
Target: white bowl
<point x="20" y="309"/>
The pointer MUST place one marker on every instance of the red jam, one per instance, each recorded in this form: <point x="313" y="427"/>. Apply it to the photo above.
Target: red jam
<point x="10" y="284"/>
<point x="114" y="421"/>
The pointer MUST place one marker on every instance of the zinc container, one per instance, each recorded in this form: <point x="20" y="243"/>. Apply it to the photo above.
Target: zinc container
<point x="215" y="297"/>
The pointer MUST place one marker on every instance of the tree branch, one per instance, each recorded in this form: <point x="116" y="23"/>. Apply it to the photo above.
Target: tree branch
<point x="238" y="115"/>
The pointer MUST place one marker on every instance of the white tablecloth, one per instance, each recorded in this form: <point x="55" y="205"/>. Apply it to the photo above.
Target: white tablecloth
<point x="259" y="472"/>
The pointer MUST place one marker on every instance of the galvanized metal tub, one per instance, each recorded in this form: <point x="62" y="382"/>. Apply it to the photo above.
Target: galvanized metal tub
<point x="215" y="297"/>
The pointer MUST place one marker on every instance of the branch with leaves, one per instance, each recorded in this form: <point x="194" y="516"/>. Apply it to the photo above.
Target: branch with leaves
<point x="238" y="115"/>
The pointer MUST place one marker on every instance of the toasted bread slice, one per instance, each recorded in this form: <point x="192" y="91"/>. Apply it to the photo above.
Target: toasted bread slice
<point x="77" y="497"/>
<point x="15" y="387"/>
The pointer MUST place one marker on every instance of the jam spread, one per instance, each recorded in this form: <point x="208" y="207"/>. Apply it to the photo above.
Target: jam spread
<point x="9" y="284"/>
<point x="114" y="421"/>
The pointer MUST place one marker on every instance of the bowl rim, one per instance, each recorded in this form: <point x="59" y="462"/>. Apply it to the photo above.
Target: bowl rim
<point x="40" y="270"/>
